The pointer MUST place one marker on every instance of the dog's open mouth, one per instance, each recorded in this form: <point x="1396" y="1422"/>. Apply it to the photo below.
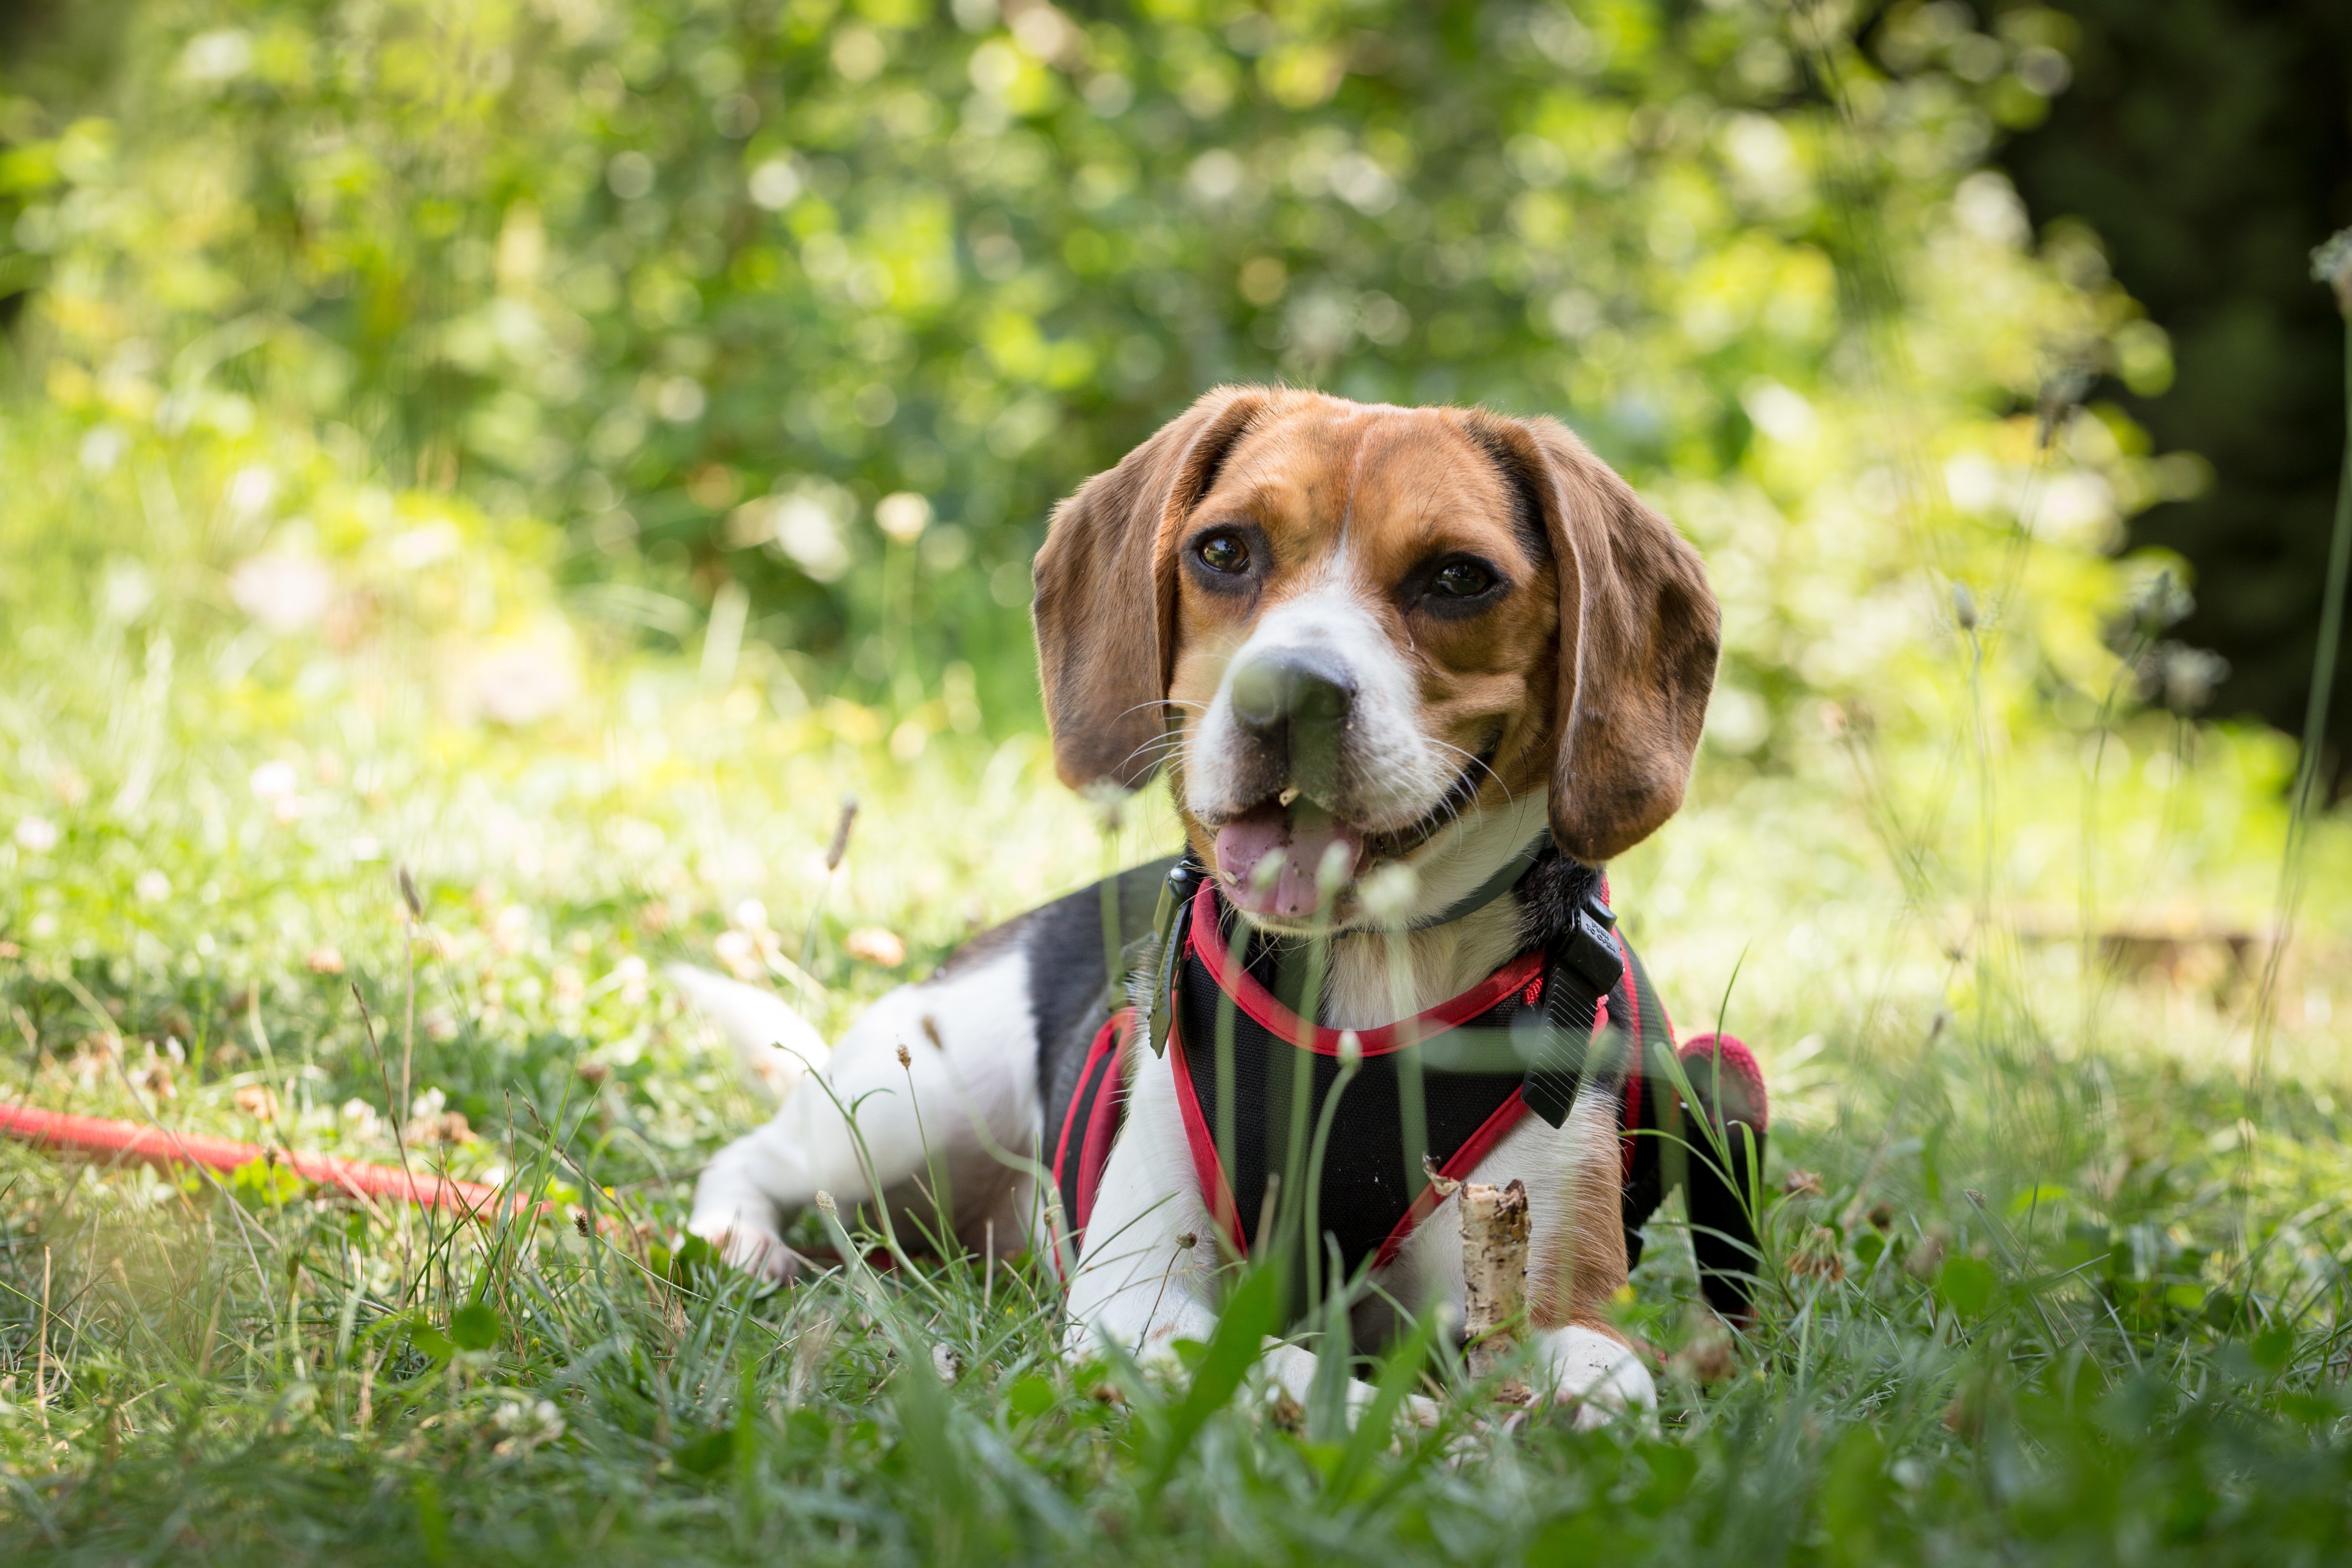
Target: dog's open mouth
<point x="1286" y="856"/>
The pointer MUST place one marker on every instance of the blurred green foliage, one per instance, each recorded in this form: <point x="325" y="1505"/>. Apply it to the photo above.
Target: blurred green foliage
<point x="705" y="286"/>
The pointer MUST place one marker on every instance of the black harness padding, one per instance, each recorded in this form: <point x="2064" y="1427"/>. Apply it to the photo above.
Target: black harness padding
<point x="1370" y="1178"/>
<point x="1070" y="988"/>
<point x="1531" y="1050"/>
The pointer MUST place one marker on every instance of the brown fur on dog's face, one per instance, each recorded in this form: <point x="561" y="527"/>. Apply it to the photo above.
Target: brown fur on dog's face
<point x="1501" y="613"/>
<point x="1363" y="504"/>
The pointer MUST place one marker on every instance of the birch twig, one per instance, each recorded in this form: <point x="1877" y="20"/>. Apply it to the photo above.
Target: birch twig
<point x="1493" y="1279"/>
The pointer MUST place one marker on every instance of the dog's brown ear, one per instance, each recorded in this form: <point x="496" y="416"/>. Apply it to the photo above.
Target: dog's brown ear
<point x="1106" y="608"/>
<point x="1639" y="635"/>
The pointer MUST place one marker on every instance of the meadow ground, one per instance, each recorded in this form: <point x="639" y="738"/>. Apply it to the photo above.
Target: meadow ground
<point x="2056" y="1255"/>
<point x="498" y="442"/>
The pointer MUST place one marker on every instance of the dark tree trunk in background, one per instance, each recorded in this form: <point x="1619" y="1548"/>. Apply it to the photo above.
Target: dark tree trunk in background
<point x="2210" y="143"/>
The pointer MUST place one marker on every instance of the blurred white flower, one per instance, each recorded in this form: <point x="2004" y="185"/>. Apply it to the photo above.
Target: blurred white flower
<point x="903" y="516"/>
<point x="274" y="781"/>
<point x="2078" y="507"/>
<point x="740" y="954"/>
<point x="775" y="184"/>
<point x="1214" y="175"/>
<point x="1987" y="207"/>
<point x="1974" y="482"/>
<point x="152" y="886"/>
<point x="680" y="400"/>
<point x="102" y="448"/>
<point x="425" y="544"/>
<point x="222" y="55"/>
<point x="36" y="835"/>
<point x="284" y="593"/>
<point x="1738" y="721"/>
<point x="1362" y="184"/>
<point x="509" y="928"/>
<point x="125" y="591"/>
<point x="526" y="1423"/>
<point x="427" y="1104"/>
<point x="252" y="490"/>
<point x="519" y="683"/>
<point x="1777" y="411"/>
<point x="808" y="535"/>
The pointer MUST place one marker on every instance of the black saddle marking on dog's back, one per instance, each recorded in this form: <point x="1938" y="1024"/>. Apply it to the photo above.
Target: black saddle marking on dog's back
<point x="1070" y="989"/>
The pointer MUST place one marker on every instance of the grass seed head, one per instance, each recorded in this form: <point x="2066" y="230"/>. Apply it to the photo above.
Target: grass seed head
<point x="835" y="851"/>
<point x="2332" y="263"/>
<point x="1818" y="1254"/>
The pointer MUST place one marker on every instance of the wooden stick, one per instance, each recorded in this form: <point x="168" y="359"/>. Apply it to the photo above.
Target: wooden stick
<point x="1493" y="1279"/>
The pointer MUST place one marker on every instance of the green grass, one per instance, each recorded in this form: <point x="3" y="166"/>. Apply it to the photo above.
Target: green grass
<point x="2065" y="1284"/>
<point x="2059" y="1290"/>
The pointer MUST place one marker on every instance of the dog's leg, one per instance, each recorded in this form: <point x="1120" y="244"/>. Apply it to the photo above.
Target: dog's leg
<point x="1577" y="1267"/>
<point x="1148" y="1273"/>
<point x="1149" y="1276"/>
<point x="971" y="1053"/>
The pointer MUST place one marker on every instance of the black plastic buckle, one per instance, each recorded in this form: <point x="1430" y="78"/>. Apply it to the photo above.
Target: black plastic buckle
<point x="1591" y="950"/>
<point x="1586" y="966"/>
<point x="1168" y="931"/>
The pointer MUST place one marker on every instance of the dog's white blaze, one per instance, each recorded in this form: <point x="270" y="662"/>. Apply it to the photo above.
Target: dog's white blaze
<point x="1391" y="773"/>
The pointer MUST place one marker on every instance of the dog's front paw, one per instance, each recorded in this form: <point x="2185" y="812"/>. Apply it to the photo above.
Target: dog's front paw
<point x="1596" y="1380"/>
<point x="748" y="1245"/>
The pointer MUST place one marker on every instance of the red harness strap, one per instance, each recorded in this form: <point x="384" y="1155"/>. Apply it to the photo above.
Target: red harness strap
<point x="1083" y="1144"/>
<point x="1091" y="1126"/>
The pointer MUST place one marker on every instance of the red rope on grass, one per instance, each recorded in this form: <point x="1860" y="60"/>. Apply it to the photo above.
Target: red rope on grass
<point x="149" y="1145"/>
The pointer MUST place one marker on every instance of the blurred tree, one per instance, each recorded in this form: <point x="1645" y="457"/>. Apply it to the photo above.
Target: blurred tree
<point x="2209" y="143"/>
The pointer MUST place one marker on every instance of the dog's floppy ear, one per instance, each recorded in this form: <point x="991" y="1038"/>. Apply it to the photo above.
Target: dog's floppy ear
<point x="1105" y="607"/>
<point x="1639" y="633"/>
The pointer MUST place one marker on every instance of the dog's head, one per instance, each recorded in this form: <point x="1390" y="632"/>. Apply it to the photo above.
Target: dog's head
<point x="1351" y="629"/>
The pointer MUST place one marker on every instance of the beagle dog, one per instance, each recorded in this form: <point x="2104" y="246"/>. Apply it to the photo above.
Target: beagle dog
<point x="1357" y="638"/>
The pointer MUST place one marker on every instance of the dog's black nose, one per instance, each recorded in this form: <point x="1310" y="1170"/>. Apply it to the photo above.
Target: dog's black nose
<point x="1295" y="704"/>
<point x="1300" y="687"/>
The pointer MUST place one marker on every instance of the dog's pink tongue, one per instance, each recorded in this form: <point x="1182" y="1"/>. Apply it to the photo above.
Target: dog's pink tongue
<point x="1244" y="845"/>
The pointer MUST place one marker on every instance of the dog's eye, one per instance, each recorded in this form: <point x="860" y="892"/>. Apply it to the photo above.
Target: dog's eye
<point x="1460" y="580"/>
<point x="1224" y="553"/>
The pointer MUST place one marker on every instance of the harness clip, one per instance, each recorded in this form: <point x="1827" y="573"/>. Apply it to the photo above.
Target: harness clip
<point x="1586" y="966"/>
<point x="1167" y="931"/>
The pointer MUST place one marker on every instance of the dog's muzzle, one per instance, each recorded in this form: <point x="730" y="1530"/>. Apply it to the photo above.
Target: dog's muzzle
<point x="1294" y="706"/>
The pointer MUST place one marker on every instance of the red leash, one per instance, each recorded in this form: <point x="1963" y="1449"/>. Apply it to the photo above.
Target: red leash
<point x="55" y="1130"/>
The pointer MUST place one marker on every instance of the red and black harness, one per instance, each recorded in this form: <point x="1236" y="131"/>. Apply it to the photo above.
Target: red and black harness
<point x="1252" y="1077"/>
